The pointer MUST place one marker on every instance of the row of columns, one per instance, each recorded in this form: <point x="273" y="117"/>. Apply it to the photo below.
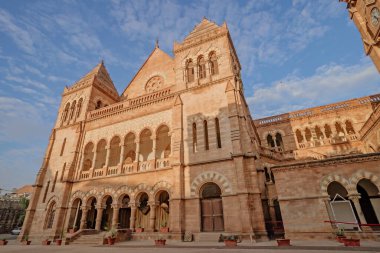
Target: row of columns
<point x="323" y="130"/>
<point x="122" y="151"/>
<point x="115" y="216"/>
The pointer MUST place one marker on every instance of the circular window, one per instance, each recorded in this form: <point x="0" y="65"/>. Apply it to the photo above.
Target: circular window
<point x="154" y="84"/>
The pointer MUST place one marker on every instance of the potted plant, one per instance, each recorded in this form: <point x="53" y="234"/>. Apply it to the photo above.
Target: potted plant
<point x="283" y="242"/>
<point x="46" y="242"/>
<point x="139" y="229"/>
<point x="73" y="230"/>
<point x="351" y="242"/>
<point x="164" y="228"/>
<point x="340" y="235"/>
<point x="25" y="240"/>
<point x="59" y="240"/>
<point x="230" y="240"/>
<point x="160" y="242"/>
<point x="111" y="236"/>
<point x="3" y="241"/>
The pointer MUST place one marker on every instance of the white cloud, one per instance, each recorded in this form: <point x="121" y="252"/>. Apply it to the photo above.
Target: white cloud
<point x="21" y="121"/>
<point x="329" y="84"/>
<point x="19" y="35"/>
<point x="263" y="32"/>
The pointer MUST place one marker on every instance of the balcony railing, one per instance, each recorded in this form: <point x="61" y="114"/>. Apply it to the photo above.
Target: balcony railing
<point x="124" y="169"/>
<point x="162" y="163"/>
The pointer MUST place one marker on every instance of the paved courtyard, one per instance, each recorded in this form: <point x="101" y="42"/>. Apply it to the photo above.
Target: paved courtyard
<point x="194" y="247"/>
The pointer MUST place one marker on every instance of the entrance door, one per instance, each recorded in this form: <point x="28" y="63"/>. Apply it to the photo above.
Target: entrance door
<point x="212" y="209"/>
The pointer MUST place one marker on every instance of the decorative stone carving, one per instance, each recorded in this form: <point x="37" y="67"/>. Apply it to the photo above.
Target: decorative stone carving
<point x="154" y="84"/>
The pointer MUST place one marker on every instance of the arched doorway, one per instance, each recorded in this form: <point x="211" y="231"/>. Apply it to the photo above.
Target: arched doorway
<point x="142" y="214"/>
<point x="92" y="212"/>
<point x="75" y="214"/>
<point x="107" y="213"/>
<point x="369" y="201"/>
<point x="162" y="211"/>
<point x="341" y="210"/>
<point x="211" y="208"/>
<point x="124" y="212"/>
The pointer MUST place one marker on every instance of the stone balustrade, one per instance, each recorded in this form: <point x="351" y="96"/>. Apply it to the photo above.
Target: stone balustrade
<point x="124" y="169"/>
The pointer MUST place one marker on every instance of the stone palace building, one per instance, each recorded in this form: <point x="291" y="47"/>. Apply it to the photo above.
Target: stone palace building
<point x="179" y="149"/>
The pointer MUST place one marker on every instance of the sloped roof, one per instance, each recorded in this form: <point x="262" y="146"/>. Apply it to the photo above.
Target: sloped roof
<point x="204" y="27"/>
<point x="100" y="72"/>
<point x="155" y="60"/>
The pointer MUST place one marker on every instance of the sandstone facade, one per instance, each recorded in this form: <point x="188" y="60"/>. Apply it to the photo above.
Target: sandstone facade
<point x="366" y="16"/>
<point x="179" y="149"/>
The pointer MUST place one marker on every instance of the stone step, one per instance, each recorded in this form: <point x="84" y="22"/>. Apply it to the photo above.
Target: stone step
<point x="207" y="237"/>
<point x="93" y="239"/>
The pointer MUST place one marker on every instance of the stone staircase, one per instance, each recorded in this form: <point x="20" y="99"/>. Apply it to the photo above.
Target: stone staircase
<point x="88" y="239"/>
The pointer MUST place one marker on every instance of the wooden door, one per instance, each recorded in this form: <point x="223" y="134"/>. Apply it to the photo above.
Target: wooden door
<point x="212" y="215"/>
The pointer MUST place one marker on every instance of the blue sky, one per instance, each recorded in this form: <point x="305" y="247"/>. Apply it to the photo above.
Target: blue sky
<point x="295" y="54"/>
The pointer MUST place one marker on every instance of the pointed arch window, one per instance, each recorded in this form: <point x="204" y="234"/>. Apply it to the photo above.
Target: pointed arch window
<point x="279" y="141"/>
<point x="72" y="110"/>
<point x="213" y="63"/>
<point x="50" y="215"/>
<point x="349" y="128"/>
<point x="201" y="67"/>
<point x="195" y="141"/>
<point x="308" y="134"/>
<point x="270" y="141"/>
<point x="98" y="104"/>
<point x="79" y="107"/>
<point x="66" y="112"/>
<point x="328" y="131"/>
<point x="318" y="132"/>
<point x="299" y="136"/>
<point x="190" y="70"/>
<point x="217" y="130"/>
<point x="339" y="128"/>
<point x="206" y="134"/>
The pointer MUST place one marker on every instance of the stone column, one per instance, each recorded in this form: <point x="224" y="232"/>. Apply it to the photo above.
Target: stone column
<point x="154" y="150"/>
<point x="304" y="137"/>
<point x="355" y="199"/>
<point x="115" y="215"/>
<point x="152" y="216"/>
<point x="83" y="221"/>
<point x="137" y="153"/>
<point x="94" y="160"/>
<point x="99" y="215"/>
<point x="122" y="154"/>
<point x="132" y="218"/>
<point x="108" y="148"/>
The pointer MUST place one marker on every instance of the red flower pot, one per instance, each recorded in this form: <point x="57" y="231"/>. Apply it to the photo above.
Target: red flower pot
<point x="351" y="242"/>
<point x="283" y="242"/>
<point x="111" y="241"/>
<point x="139" y="230"/>
<point x="58" y="242"/>
<point x="46" y="242"/>
<point x="160" y="242"/>
<point x="3" y="242"/>
<point x="164" y="230"/>
<point x="230" y="243"/>
<point x="340" y="238"/>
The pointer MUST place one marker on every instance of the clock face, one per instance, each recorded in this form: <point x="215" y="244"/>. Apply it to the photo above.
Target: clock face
<point x="375" y="16"/>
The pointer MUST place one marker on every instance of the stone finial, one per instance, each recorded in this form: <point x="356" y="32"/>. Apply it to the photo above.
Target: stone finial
<point x="157" y="45"/>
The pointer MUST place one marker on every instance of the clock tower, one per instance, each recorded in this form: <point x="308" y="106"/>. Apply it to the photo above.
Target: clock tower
<point x="366" y="16"/>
